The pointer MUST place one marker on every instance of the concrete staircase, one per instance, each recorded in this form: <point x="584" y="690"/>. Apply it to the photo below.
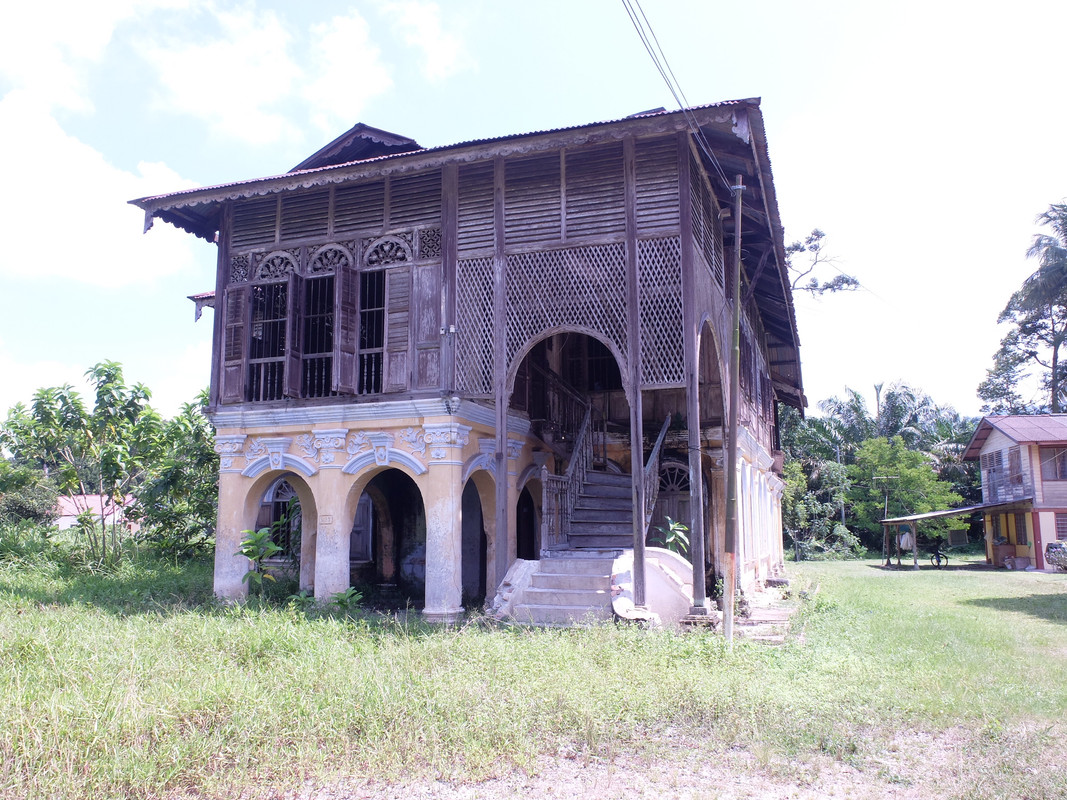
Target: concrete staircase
<point x="603" y="516"/>
<point x="569" y="587"/>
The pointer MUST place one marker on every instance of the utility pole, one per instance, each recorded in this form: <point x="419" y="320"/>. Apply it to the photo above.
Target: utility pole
<point x="730" y="588"/>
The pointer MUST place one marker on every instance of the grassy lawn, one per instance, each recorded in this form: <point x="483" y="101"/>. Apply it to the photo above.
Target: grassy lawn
<point x="946" y="683"/>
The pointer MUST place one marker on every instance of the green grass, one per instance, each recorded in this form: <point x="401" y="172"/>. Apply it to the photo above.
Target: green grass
<point x="137" y="684"/>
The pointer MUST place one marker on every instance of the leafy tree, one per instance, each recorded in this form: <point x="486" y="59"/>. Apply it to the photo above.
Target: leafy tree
<point x="102" y="451"/>
<point x="178" y="498"/>
<point x="890" y="480"/>
<point x="804" y="277"/>
<point x="26" y="494"/>
<point x="810" y="512"/>
<point x="1037" y="314"/>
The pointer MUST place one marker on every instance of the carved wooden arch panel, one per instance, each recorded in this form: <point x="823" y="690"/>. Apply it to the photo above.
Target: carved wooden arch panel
<point x="329" y="259"/>
<point x="276" y="266"/>
<point x="388" y="250"/>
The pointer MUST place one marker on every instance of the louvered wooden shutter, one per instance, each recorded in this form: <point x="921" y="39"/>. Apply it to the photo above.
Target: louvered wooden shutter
<point x="532" y="201"/>
<point x="293" y="362"/>
<point x="234" y="346"/>
<point x="427" y="325"/>
<point x="595" y="197"/>
<point x="397" y="328"/>
<point x="345" y="330"/>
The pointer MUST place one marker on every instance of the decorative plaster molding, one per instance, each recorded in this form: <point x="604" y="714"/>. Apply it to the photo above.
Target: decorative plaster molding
<point x="385" y="456"/>
<point x="323" y="445"/>
<point x="228" y="448"/>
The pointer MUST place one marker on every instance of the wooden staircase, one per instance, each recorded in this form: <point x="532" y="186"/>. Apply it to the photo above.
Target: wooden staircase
<point x="603" y="513"/>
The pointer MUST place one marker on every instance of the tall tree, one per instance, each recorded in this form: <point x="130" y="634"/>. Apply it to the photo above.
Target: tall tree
<point x="806" y="277"/>
<point x="1037" y="314"/>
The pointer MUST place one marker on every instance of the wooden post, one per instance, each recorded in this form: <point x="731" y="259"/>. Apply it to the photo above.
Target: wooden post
<point x="691" y="345"/>
<point x="633" y="355"/>
<point x="730" y="589"/>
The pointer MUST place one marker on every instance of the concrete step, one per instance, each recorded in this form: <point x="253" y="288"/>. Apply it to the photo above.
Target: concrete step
<point x="563" y="580"/>
<point x="534" y="614"/>
<point x="592" y="598"/>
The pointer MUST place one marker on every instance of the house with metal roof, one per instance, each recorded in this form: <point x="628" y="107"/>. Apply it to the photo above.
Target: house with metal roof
<point x="452" y="359"/>
<point x="1023" y="461"/>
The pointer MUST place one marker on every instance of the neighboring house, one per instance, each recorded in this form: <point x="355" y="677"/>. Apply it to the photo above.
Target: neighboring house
<point x="1024" y="478"/>
<point x="512" y="348"/>
<point x="100" y="506"/>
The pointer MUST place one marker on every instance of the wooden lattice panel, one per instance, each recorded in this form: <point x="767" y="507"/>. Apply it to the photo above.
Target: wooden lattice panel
<point x="474" y="323"/>
<point x="581" y="287"/>
<point x="660" y="299"/>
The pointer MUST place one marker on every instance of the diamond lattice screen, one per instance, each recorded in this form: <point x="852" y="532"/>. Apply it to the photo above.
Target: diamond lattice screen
<point x="474" y="321"/>
<point x="662" y="359"/>
<point x="579" y="287"/>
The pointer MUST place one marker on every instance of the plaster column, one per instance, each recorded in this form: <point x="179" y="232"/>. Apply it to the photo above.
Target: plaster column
<point x="325" y="524"/>
<point x="443" y="495"/>
<point x="230" y="568"/>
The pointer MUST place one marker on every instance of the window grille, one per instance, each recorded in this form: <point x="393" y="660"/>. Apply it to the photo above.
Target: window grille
<point x="371" y="331"/>
<point x="318" y="329"/>
<point x="266" y="347"/>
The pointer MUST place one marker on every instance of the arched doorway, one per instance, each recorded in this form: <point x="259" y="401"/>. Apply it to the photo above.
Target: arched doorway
<point x="527" y="530"/>
<point x="474" y="547"/>
<point x="560" y="377"/>
<point x="280" y="512"/>
<point x="387" y="541"/>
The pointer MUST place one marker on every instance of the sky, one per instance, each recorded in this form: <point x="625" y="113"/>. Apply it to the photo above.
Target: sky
<point x="922" y="137"/>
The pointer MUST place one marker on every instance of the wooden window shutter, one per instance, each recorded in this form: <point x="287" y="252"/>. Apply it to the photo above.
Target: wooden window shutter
<point x="293" y="352"/>
<point x="234" y="346"/>
<point x="346" y="330"/>
<point x="397" y="328"/>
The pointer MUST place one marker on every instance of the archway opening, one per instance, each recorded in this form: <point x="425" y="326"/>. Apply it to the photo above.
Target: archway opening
<point x="527" y="529"/>
<point x="474" y="547"/>
<point x="387" y="542"/>
<point x="559" y="379"/>
<point x="280" y="513"/>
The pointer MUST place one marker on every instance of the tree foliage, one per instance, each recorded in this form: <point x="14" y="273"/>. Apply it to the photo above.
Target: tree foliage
<point x="806" y="277"/>
<point x="891" y="480"/>
<point x="162" y="471"/>
<point x="1037" y="316"/>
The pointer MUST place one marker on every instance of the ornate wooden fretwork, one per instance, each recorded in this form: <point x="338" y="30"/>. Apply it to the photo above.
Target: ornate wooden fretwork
<point x="660" y="299"/>
<point x="329" y="259"/>
<point x="388" y="250"/>
<point x="277" y="265"/>
<point x="474" y="356"/>
<point x="239" y="269"/>
<point x="581" y="287"/>
<point x="430" y="243"/>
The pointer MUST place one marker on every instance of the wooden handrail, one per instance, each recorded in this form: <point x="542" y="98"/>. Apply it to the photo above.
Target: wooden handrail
<point x="652" y="474"/>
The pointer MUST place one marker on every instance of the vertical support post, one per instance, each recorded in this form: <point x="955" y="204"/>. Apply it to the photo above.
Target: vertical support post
<point x="500" y="380"/>
<point x="691" y="353"/>
<point x="633" y="355"/>
<point x="730" y="589"/>
<point x="449" y="258"/>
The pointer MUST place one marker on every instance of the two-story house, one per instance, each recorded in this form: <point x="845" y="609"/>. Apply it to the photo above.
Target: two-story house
<point x="453" y="357"/>
<point x="1024" y="478"/>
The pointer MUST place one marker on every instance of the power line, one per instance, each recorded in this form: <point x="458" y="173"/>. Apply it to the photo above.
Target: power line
<point x="659" y="60"/>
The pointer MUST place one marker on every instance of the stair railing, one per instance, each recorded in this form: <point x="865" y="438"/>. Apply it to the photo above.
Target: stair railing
<point x="652" y="474"/>
<point x="560" y="492"/>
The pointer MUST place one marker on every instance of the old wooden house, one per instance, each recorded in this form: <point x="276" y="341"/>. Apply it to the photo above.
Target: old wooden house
<point x="456" y="357"/>
<point x="1024" y="485"/>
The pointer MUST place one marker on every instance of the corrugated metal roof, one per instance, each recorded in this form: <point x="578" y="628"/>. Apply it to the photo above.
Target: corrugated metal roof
<point x="141" y="201"/>
<point x="1024" y="429"/>
<point x="959" y="512"/>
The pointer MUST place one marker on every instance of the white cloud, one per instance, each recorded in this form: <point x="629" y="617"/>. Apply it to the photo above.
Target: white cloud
<point x="23" y="378"/>
<point x="46" y="47"/>
<point x="347" y="72"/>
<point x="236" y="80"/>
<point x="444" y="54"/>
<point x="65" y="211"/>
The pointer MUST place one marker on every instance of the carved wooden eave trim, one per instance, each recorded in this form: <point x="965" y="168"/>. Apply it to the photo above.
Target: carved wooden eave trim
<point x="197" y="211"/>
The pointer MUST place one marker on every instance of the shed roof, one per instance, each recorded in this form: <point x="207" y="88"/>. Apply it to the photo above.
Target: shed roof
<point x="1020" y="428"/>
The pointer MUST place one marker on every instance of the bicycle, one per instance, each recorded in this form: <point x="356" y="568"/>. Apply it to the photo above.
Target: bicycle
<point x="938" y="558"/>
